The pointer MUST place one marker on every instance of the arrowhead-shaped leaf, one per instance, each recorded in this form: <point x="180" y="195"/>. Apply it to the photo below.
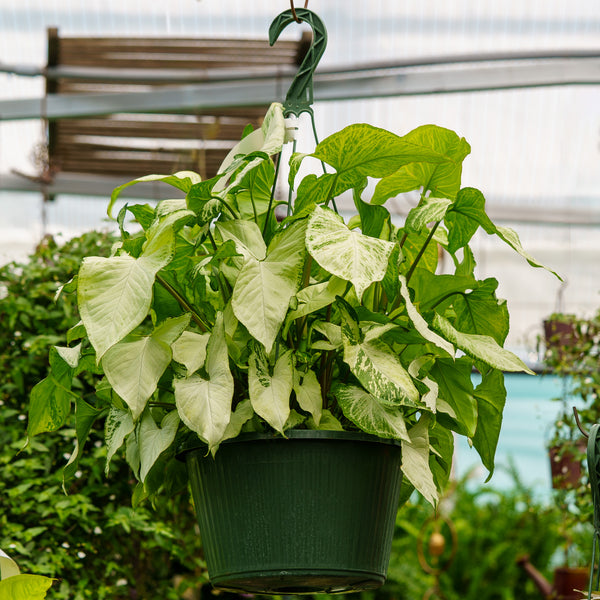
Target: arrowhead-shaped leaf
<point x="442" y="178"/>
<point x="114" y="294"/>
<point x="481" y="347"/>
<point x="204" y="405"/>
<point x="190" y="350"/>
<point x="348" y="254"/>
<point x="134" y="367"/>
<point x="264" y="288"/>
<point x="308" y="394"/>
<point x="367" y="412"/>
<point x="155" y="440"/>
<point x="415" y="460"/>
<point x="118" y="425"/>
<point x="491" y="397"/>
<point x="270" y="394"/>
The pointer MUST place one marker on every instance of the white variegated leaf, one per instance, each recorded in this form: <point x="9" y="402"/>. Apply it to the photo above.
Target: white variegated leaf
<point x="368" y="413"/>
<point x="118" y="425"/>
<point x="348" y="254"/>
<point x="114" y="294"/>
<point x="481" y="347"/>
<point x="308" y="394"/>
<point x="133" y="369"/>
<point x="264" y="288"/>
<point x="420" y="323"/>
<point x="204" y="405"/>
<point x="190" y="350"/>
<point x="415" y="460"/>
<point x="380" y="371"/>
<point x="270" y="394"/>
<point x="154" y="440"/>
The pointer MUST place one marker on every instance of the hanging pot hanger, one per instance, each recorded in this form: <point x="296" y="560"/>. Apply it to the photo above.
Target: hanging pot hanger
<point x="299" y="98"/>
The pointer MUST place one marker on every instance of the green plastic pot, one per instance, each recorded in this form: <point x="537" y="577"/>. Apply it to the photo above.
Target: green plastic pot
<point x="313" y="512"/>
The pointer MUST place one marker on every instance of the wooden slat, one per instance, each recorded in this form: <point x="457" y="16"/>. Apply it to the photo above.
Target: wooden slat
<point x="130" y="145"/>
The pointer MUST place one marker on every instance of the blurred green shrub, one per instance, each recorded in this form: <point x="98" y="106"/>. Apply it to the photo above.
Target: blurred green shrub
<point x="91" y="539"/>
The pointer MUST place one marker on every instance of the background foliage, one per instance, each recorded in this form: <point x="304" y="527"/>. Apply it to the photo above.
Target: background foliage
<point x="91" y="539"/>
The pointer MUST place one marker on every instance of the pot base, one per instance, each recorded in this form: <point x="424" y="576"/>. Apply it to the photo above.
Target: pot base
<point x="297" y="583"/>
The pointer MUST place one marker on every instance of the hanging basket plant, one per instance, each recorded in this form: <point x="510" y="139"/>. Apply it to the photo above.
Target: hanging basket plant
<point x="242" y="333"/>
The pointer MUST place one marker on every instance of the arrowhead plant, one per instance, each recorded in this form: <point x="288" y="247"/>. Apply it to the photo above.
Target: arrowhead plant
<point x="230" y="311"/>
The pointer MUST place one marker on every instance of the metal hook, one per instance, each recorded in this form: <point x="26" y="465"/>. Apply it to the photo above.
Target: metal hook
<point x="579" y="425"/>
<point x="300" y="95"/>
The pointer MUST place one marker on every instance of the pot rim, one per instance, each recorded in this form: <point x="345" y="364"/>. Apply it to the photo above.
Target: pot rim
<point x="195" y="443"/>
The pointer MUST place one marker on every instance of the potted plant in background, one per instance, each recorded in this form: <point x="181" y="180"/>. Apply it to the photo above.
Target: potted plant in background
<point x="221" y="333"/>
<point x="573" y="357"/>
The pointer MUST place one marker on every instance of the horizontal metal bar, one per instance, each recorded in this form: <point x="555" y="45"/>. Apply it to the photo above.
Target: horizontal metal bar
<point x="500" y="210"/>
<point x="202" y="75"/>
<point x="328" y="87"/>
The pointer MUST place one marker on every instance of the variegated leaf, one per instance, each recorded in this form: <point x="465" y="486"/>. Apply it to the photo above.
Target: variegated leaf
<point x="367" y="412"/>
<point x="348" y="254"/>
<point x="270" y="394"/>
<point x="204" y="405"/>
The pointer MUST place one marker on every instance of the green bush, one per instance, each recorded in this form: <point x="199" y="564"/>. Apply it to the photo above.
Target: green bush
<point x="90" y="539"/>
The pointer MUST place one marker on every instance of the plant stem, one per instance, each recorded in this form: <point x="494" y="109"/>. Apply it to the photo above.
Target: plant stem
<point x="268" y="213"/>
<point x="421" y="252"/>
<point x="182" y="302"/>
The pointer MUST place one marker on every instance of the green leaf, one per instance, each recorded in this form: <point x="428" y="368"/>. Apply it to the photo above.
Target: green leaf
<point x="25" y="587"/>
<point x="511" y="237"/>
<point x="362" y="150"/>
<point x="308" y="394"/>
<point x="442" y="178"/>
<point x="368" y="413"/>
<point x="491" y="397"/>
<point x="190" y="350"/>
<point x="134" y="367"/>
<point x="455" y="387"/>
<point x="347" y="254"/>
<point x="264" y="288"/>
<point x="204" y="405"/>
<point x="270" y="394"/>
<point x="481" y="347"/>
<point x="328" y="422"/>
<point x="114" y="295"/>
<point x="50" y="399"/>
<point x="183" y="180"/>
<point x="415" y="460"/>
<point x="85" y="416"/>
<point x="431" y="289"/>
<point x="374" y="220"/>
<point x="479" y="311"/>
<point x="118" y="425"/>
<point x="153" y="441"/>
<point x="412" y="246"/>
<point x="465" y="216"/>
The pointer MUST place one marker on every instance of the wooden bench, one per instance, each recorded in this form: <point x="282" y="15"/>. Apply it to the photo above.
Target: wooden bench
<point x="129" y="145"/>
